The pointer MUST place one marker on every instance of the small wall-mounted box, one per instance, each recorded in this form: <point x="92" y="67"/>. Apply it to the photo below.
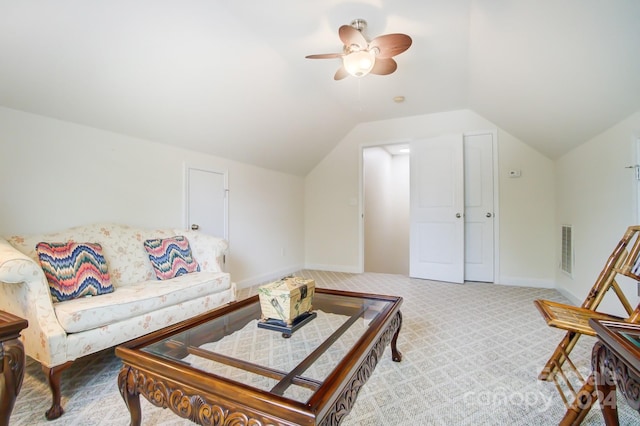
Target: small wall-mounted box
<point x="514" y="173"/>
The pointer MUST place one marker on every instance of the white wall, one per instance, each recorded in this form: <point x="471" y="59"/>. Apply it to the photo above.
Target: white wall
<point x="527" y="215"/>
<point x="527" y="204"/>
<point x="597" y="195"/>
<point x="55" y="174"/>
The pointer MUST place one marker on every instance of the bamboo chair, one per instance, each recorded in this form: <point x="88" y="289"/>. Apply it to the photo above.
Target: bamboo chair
<point x="575" y="320"/>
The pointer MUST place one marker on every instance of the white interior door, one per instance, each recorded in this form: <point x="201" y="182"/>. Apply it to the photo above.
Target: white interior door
<point x="479" y="208"/>
<point x="437" y="209"/>
<point x="207" y="201"/>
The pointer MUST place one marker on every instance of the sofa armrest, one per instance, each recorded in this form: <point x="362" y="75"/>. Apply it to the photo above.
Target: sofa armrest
<point x="16" y="267"/>
<point x="207" y="249"/>
<point x="24" y="291"/>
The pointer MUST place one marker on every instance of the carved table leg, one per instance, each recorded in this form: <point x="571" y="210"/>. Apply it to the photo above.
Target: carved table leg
<point x="396" y="355"/>
<point x="54" y="375"/>
<point x="130" y="394"/>
<point x="605" y="384"/>
<point x="12" y="361"/>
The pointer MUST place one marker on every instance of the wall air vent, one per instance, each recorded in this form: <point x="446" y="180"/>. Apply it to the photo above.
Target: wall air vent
<point x="566" y="262"/>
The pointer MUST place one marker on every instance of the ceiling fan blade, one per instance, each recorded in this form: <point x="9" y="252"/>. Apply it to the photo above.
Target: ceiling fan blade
<point x="325" y="56"/>
<point x="341" y="73"/>
<point x="384" y="66"/>
<point x="350" y="35"/>
<point x="390" y="44"/>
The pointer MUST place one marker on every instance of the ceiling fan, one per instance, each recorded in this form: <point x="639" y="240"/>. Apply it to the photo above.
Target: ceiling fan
<point x="361" y="57"/>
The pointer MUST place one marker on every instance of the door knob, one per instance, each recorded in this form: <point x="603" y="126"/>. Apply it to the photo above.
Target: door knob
<point x="458" y="215"/>
<point x="488" y="214"/>
<point x="195" y="227"/>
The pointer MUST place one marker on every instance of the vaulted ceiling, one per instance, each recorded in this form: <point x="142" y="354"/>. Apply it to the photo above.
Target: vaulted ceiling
<point x="230" y="78"/>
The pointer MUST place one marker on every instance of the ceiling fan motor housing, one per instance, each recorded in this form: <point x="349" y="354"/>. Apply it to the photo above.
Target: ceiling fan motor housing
<point x="359" y="24"/>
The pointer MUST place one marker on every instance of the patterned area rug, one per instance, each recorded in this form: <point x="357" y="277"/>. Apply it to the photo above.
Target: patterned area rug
<point x="471" y="356"/>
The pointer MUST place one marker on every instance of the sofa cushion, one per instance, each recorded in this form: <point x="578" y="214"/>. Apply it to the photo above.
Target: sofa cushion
<point x="137" y="299"/>
<point x="74" y="269"/>
<point x="171" y="257"/>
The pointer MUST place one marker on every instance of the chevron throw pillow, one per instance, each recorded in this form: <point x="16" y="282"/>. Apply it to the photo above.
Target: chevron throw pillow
<point x="171" y="257"/>
<point x="74" y="269"/>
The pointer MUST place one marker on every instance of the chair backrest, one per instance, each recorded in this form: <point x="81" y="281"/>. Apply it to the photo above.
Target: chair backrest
<point x="631" y="265"/>
<point x="634" y="317"/>
<point x="622" y="261"/>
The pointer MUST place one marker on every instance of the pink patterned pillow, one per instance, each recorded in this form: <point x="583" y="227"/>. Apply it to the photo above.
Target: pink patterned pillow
<point x="74" y="269"/>
<point x="171" y="257"/>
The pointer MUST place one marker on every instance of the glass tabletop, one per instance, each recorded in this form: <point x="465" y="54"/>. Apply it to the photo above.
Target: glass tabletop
<point x="233" y="347"/>
<point x="633" y="337"/>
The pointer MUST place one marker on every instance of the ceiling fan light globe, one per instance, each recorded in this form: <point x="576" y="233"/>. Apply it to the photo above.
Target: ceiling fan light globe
<point x="360" y="63"/>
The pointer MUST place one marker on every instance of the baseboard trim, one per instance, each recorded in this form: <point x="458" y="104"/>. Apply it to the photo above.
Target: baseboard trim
<point x="526" y="282"/>
<point x="570" y="296"/>
<point x="268" y="277"/>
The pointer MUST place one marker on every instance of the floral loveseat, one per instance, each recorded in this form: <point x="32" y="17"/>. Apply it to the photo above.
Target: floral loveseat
<point x="136" y="303"/>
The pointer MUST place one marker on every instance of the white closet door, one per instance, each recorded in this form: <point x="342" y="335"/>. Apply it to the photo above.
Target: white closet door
<point x="207" y="202"/>
<point x="479" y="210"/>
<point x="437" y="209"/>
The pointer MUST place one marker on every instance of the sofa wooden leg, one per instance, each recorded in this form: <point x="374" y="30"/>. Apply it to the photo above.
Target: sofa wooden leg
<point x="54" y="374"/>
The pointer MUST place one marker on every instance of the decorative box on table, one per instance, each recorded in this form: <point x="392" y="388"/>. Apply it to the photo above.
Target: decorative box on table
<point x="286" y="300"/>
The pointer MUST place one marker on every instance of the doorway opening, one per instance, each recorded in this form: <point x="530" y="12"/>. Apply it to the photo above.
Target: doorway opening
<point x="386" y="208"/>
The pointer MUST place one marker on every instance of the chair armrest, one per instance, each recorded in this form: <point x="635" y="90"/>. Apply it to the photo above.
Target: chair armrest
<point x="569" y="317"/>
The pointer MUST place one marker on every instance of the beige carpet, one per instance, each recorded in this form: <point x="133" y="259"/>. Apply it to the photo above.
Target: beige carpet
<point x="472" y="354"/>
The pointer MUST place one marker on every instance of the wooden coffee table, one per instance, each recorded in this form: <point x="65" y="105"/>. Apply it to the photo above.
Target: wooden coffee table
<point x="220" y="368"/>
